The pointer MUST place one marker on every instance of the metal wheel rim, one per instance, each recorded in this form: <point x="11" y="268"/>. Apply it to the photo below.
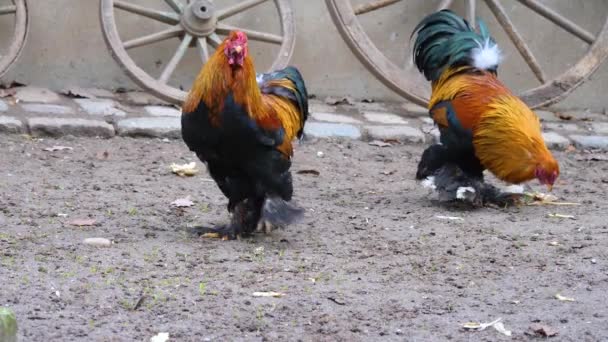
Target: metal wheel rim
<point x="395" y="78"/>
<point x="164" y="91"/>
<point x="19" y="36"/>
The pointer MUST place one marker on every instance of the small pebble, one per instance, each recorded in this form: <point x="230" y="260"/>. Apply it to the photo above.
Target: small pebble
<point x="593" y="261"/>
<point x="98" y="242"/>
<point x="320" y="154"/>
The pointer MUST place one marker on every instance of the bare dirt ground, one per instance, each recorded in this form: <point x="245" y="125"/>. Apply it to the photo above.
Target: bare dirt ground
<point x="370" y="261"/>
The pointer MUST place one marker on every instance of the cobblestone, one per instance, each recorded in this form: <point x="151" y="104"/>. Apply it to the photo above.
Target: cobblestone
<point x="324" y="130"/>
<point x="151" y="127"/>
<point x="384" y="118"/>
<point x="590" y="141"/>
<point x="147" y="116"/>
<point x="427" y="120"/>
<point x="555" y="141"/>
<point x="41" y="126"/>
<point x="140" y="98"/>
<point x="100" y="107"/>
<point x="544" y="115"/>
<point x="559" y="126"/>
<point x="585" y="115"/>
<point x="9" y="124"/>
<point x="47" y="109"/>
<point x="163" y="111"/>
<point x="405" y="133"/>
<point x="36" y="95"/>
<point x="414" y="108"/>
<point x="318" y="107"/>
<point x="600" y="127"/>
<point x="336" y="118"/>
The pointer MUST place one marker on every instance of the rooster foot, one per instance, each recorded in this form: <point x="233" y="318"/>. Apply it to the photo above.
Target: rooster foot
<point x="266" y="226"/>
<point x="506" y="199"/>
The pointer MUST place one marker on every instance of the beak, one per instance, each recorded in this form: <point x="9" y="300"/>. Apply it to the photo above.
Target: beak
<point x="238" y="49"/>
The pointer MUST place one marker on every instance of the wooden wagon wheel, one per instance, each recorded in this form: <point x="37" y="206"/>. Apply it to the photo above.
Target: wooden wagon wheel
<point x="198" y="24"/>
<point x="18" y="8"/>
<point x="408" y="85"/>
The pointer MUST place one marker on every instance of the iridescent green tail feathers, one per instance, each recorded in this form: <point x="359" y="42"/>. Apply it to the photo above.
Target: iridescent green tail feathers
<point x="445" y="40"/>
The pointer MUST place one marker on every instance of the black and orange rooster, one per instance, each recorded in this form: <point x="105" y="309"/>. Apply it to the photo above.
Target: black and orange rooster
<point x="482" y="124"/>
<point x="242" y="127"/>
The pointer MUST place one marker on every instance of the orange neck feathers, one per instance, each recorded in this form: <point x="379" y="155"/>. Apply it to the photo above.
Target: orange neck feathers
<point x="217" y="79"/>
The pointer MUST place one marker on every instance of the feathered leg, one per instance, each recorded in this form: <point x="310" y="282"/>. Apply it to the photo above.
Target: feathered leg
<point x="433" y="158"/>
<point x="454" y="184"/>
<point x="228" y="231"/>
<point x="252" y="214"/>
<point x="278" y="213"/>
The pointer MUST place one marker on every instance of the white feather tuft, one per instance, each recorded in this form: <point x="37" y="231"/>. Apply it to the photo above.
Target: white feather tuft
<point x="487" y="56"/>
<point x="429" y="183"/>
<point x="514" y="189"/>
<point x="462" y="192"/>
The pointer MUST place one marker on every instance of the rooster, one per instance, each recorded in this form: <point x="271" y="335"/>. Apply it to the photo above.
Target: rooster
<point x="482" y="124"/>
<point x="242" y="126"/>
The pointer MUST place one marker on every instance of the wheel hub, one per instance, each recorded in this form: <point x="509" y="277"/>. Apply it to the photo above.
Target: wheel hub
<point x="200" y="18"/>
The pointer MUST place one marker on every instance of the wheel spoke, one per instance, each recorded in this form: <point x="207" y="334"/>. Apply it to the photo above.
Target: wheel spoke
<point x="444" y="4"/>
<point x="162" y="16"/>
<point x="175" y="5"/>
<point x="238" y="8"/>
<point x="201" y="43"/>
<point x="8" y="9"/>
<point x="372" y="6"/>
<point x="177" y="57"/>
<point x="214" y="40"/>
<point x="559" y="20"/>
<point x="522" y="47"/>
<point x="471" y="12"/>
<point x="255" y="35"/>
<point x="154" y="37"/>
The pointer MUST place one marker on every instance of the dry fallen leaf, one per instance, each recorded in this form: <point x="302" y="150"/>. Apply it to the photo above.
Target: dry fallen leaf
<point x="268" y="294"/>
<point x="57" y="148"/>
<point x="479" y="326"/>
<point x="472" y="325"/>
<point x="83" y="222"/>
<point x="543" y="330"/>
<point x="184" y="169"/>
<point x="538" y="198"/>
<point x="182" y="202"/>
<point x="379" y="143"/>
<point x="212" y="236"/>
<point x="564" y="298"/>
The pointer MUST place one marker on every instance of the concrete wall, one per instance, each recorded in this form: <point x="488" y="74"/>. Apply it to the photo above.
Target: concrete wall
<point x="66" y="46"/>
